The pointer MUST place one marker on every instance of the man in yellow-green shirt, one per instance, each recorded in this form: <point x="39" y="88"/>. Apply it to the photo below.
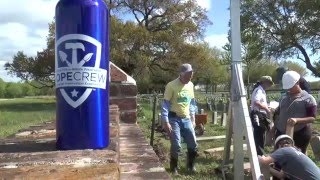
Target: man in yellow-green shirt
<point x="178" y="111"/>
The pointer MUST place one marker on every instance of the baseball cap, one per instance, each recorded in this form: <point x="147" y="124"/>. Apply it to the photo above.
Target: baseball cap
<point x="184" y="68"/>
<point x="282" y="137"/>
<point x="266" y="78"/>
<point x="289" y="79"/>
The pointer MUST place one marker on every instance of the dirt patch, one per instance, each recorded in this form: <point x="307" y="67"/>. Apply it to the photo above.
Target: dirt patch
<point x="159" y="150"/>
<point x="108" y="171"/>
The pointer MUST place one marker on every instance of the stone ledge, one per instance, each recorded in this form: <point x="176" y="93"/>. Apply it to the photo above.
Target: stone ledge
<point x="56" y="172"/>
<point x="137" y="158"/>
<point x="58" y="157"/>
<point x="25" y="159"/>
<point x="145" y="175"/>
<point x="32" y="154"/>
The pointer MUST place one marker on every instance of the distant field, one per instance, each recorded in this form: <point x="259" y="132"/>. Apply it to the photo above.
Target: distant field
<point x="16" y="114"/>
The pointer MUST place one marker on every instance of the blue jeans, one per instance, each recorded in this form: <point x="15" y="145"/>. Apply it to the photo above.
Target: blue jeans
<point x="181" y="127"/>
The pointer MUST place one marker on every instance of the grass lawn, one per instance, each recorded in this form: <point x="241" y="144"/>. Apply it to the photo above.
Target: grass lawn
<point x="16" y="114"/>
<point x="205" y="165"/>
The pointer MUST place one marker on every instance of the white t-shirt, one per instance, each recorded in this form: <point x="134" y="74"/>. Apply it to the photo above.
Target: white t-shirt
<point x="259" y="94"/>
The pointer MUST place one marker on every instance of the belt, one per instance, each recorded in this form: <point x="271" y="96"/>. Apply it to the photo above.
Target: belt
<point x="172" y="114"/>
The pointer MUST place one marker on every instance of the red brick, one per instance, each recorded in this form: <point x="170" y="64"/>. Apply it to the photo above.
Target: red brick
<point x="128" y="117"/>
<point x="113" y="107"/>
<point x="128" y="89"/>
<point x="114" y="118"/>
<point x="114" y="131"/>
<point x="125" y="103"/>
<point x="114" y="89"/>
<point x="114" y="144"/>
<point x="117" y="75"/>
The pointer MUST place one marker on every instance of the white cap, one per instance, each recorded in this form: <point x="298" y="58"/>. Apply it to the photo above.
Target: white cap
<point x="281" y="137"/>
<point x="184" y="68"/>
<point x="289" y="79"/>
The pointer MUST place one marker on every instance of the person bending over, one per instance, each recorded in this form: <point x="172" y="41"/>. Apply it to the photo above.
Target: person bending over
<point x="294" y="164"/>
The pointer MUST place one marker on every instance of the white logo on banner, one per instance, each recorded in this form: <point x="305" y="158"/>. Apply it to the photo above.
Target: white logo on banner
<point x="72" y="71"/>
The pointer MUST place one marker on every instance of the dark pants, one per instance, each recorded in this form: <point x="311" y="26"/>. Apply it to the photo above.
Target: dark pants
<point x="301" y="138"/>
<point x="258" y="134"/>
<point x="259" y="137"/>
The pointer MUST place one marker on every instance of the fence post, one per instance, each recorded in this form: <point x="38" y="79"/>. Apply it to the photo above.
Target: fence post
<point x="224" y="119"/>
<point x="159" y="120"/>
<point x="150" y="101"/>
<point x="153" y="118"/>
<point x="215" y="117"/>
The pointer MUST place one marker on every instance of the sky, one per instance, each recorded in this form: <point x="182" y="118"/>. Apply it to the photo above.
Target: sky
<point x="24" y="27"/>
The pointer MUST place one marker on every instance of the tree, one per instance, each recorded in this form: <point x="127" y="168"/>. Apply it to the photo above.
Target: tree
<point x="208" y="68"/>
<point x="2" y="88"/>
<point x="285" y="28"/>
<point x="163" y="29"/>
<point x="251" y="55"/>
<point x="28" y="90"/>
<point x="264" y="67"/>
<point x="39" y="68"/>
<point x="294" y="66"/>
<point x="147" y="49"/>
<point x="255" y="64"/>
<point x="13" y="90"/>
<point x="315" y="85"/>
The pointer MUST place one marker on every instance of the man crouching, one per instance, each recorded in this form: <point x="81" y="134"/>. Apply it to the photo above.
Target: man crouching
<point x="290" y="163"/>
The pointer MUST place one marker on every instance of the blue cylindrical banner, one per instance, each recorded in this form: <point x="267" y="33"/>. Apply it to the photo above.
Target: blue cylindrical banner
<point x="81" y="74"/>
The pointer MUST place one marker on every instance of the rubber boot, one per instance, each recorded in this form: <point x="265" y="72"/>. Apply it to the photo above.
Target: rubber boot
<point x="174" y="165"/>
<point x="190" y="160"/>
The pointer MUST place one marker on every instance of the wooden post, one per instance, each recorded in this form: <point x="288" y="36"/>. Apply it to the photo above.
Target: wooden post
<point x="159" y="119"/>
<point x="224" y="119"/>
<point x="270" y="134"/>
<point x="153" y="119"/>
<point x="290" y="130"/>
<point x="215" y="117"/>
<point x="315" y="145"/>
<point x="240" y="113"/>
<point x="227" y="145"/>
<point x="150" y="101"/>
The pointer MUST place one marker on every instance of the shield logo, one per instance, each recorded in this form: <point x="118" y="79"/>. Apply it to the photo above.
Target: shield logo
<point x="77" y="65"/>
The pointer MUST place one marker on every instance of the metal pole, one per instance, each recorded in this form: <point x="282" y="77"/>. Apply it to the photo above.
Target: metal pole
<point x="242" y="123"/>
<point x="153" y="119"/>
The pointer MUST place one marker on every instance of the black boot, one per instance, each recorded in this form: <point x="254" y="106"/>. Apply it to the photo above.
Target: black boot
<point x="174" y="165"/>
<point x="190" y="160"/>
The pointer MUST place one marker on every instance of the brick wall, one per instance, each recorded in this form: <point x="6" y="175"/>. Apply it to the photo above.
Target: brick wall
<point x="123" y="92"/>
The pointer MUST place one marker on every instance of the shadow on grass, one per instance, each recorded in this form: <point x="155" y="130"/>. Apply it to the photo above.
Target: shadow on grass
<point x="28" y="106"/>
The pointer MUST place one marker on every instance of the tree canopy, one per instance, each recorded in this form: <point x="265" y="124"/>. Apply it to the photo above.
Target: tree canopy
<point x="150" y="47"/>
<point x="163" y="34"/>
<point x="39" y="69"/>
<point x="285" y="29"/>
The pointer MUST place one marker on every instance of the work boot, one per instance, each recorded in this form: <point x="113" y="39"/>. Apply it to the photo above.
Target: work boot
<point x="190" y="160"/>
<point x="174" y="165"/>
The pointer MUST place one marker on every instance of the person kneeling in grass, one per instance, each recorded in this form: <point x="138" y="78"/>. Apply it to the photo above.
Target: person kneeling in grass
<point x="294" y="164"/>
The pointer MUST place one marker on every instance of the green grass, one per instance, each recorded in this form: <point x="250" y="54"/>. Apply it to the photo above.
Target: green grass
<point x="16" y="114"/>
<point x="205" y="165"/>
